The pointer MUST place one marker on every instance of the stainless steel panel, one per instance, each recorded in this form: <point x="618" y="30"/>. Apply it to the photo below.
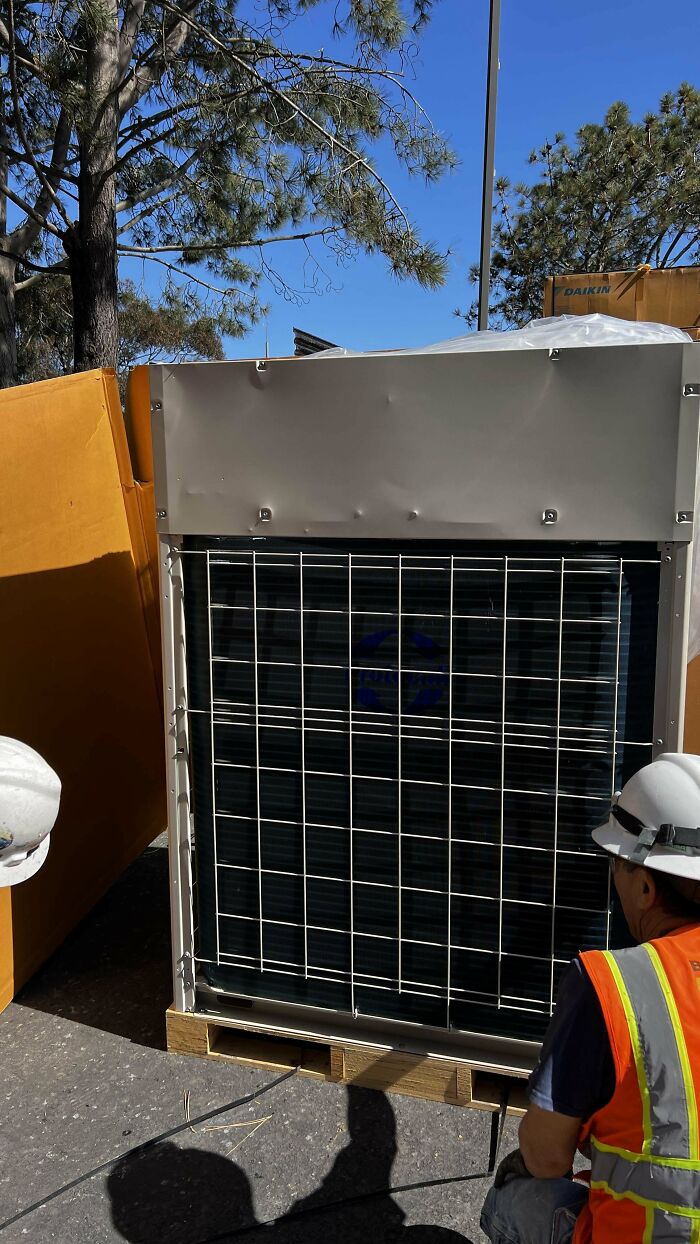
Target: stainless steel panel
<point x="472" y="446"/>
<point x="672" y="647"/>
<point x="177" y="775"/>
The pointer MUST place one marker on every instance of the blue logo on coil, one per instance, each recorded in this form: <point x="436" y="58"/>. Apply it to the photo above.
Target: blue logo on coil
<point x="421" y="689"/>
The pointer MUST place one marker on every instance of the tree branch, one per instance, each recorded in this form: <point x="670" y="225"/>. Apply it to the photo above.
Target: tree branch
<point x="674" y="242"/>
<point x="358" y="71"/>
<point x="146" y="211"/>
<point x="62" y="138"/>
<point x="27" y="57"/>
<point x="19" y="158"/>
<point x="133" y="14"/>
<point x="181" y="170"/>
<point x="331" y="140"/>
<point x="40" y="269"/>
<point x="693" y="242"/>
<point x="182" y="106"/>
<point x="43" y="203"/>
<point x="29" y="211"/>
<point x="203" y="247"/>
<point x="37" y="277"/>
<point x="152" y="71"/>
<point x="197" y="280"/>
<point x="146" y="145"/>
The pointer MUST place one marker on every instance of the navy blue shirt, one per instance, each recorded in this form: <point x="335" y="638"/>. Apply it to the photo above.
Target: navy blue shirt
<point x="575" y="1074"/>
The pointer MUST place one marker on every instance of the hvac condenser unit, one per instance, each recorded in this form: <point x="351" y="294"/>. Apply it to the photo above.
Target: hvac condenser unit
<point x="423" y="616"/>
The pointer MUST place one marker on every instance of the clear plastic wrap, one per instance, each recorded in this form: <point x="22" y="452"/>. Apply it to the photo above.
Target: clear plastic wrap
<point x="554" y="333"/>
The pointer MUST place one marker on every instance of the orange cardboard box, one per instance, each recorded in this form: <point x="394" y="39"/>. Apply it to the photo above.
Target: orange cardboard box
<point x="78" y="678"/>
<point x="659" y="296"/>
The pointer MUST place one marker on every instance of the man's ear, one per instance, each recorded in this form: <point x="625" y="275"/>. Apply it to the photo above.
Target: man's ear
<point x="647" y="888"/>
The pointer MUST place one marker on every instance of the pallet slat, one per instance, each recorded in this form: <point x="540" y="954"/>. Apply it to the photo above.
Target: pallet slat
<point x="413" y="1075"/>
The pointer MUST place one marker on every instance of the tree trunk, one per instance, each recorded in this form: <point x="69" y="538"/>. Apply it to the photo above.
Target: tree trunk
<point x="92" y="244"/>
<point x="8" y="328"/>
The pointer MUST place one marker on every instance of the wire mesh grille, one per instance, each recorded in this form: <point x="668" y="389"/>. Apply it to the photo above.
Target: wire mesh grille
<point x="398" y="754"/>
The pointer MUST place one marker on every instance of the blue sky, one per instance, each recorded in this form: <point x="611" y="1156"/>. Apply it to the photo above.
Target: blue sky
<point x="562" y="64"/>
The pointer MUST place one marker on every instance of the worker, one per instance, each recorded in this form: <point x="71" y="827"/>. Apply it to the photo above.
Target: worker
<point x="30" y="794"/>
<point x="618" y="1077"/>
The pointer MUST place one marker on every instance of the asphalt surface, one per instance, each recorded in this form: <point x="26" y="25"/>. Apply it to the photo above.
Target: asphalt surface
<point x="87" y="1078"/>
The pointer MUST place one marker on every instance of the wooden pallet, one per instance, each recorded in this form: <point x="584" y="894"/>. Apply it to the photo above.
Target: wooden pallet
<point x="430" y="1077"/>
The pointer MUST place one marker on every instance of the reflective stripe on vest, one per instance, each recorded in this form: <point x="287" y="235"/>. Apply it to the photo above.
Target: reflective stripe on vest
<point x="654" y="1181"/>
<point x="665" y="1228"/>
<point x="664" y="1225"/>
<point x="665" y="1177"/>
<point x="660" y="1054"/>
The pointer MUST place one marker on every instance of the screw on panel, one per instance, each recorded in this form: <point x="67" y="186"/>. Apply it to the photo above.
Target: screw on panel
<point x="161" y="513"/>
<point x="261" y="365"/>
<point x="156" y="405"/>
<point x="668" y="559"/>
<point x="549" y="517"/>
<point x="555" y="355"/>
<point x="691" y="390"/>
<point x="413" y="514"/>
<point x="684" y="516"/>
<point x="659" y="742"/>
<point x="265" y="514"/>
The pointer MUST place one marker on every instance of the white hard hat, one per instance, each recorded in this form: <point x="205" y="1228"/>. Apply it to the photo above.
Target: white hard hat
<point x="656" y="819"/>
<point x="30" y="793"/>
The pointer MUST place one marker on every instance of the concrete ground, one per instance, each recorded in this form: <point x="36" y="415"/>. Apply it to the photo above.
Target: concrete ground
<point x="86" y="1078"/>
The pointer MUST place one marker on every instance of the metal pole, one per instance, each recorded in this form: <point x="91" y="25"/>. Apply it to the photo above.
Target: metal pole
<point x="489" y="156"/>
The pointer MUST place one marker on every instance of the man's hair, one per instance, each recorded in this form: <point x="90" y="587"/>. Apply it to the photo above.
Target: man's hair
<point x="679" y="896"/>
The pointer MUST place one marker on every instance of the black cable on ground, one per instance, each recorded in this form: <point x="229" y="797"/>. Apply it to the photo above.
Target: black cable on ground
<point x="498" y="1122"/>
<point x="223" y="1237"/>
<point x="137" y="1150"/>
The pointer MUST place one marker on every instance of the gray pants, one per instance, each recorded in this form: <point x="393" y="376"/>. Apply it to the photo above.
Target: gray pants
<point x="533" y="1211"/>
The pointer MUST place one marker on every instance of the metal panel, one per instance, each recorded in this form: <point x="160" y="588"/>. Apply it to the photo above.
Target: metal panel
<point x="455" y="446"/>
<point x="177" y="775"/>
<point x="672" y="647"/>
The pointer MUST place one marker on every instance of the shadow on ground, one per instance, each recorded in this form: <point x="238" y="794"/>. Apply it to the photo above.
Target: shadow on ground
<point x="174" y="1195"/>
<point x="113" y="972"/>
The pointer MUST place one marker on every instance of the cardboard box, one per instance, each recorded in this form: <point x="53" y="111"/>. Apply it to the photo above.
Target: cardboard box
<point x="77" y="679"/>
<point x="658" y="296"/>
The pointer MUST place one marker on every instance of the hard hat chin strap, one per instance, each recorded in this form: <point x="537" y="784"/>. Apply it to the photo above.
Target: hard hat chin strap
<point x="682" y="838"/>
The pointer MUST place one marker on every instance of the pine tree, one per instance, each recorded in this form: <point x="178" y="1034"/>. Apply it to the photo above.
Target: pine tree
<point x="195" y="135"/>
<point x="626" y="193"/>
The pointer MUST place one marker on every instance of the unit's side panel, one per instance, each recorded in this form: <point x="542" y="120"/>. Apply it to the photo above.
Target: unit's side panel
<point x="687" y="454"/>
<point x="671" y="669"/>
<point x="176" y="722"/>
<point x="177" y="752"/>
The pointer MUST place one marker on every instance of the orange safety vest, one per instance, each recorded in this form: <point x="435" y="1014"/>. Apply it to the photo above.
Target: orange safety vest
<point x="645" y="1143"/>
